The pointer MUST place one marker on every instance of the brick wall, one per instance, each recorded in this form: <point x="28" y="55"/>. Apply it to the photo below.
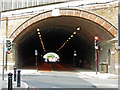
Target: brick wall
<point x="111" y="14"/>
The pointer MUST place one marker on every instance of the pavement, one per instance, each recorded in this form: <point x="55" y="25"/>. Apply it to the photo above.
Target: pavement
<point x="92" y="74"/>
<point x="81" y="74"/>
<point x="4" y="83"/>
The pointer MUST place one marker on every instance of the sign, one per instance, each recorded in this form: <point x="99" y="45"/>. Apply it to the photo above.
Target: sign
<point x="36" y="52"/>
<point x="2" y="38"/>
<point x="55" y="12"/>
<point x="75" y="54"/>
<point x="6" y="49"/>
<point x="112" y="52"/>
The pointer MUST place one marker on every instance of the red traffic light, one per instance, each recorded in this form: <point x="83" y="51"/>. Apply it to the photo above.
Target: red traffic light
<point x="96" y="37"/>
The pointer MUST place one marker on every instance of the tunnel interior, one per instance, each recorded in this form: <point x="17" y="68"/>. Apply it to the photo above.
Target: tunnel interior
<point x="54" y="32"/>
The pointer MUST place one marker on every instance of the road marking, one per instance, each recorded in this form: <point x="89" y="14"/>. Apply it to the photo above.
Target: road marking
<point x="108" y="85"/>
<point x="55" y="87"/>
<point x="33" y="88"/>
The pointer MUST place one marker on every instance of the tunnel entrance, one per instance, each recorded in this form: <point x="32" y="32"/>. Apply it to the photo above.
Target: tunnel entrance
<point x="53" y="39"/>
<point x="60" y="35"/>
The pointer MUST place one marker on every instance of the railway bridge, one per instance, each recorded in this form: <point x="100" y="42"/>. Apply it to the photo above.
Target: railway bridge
<point x="61" y="27"/>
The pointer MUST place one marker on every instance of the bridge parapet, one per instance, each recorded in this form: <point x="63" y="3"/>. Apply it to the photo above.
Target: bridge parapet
<point x="68" y="12"/>
<point x="6" y="5"/>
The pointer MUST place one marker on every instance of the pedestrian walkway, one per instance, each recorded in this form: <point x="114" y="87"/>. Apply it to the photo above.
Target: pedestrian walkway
<point x="4" y="83"/>
<point x="92" y="74"/>
<point x="14" y="84"/>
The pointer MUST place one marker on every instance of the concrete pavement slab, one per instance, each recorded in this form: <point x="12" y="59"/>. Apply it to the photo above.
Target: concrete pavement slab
<point x="4" y="83"/>
<point x="92" y="74"/>
<point x="14" y="85"/>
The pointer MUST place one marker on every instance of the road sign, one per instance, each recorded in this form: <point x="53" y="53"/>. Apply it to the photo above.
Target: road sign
<point x="2" y="38"/>
<point x="55" y="12"/>
<point x="75" y="54"/>
<point x="36" y="53"/>
<point x="6" y="49"/>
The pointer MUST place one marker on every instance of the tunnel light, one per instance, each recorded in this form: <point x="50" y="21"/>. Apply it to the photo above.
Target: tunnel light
<point x="38" y="29"/>
<point x="38" y="32"/>
<point x="39" y="35"/>
<point x="78" y="28"/>
<point x="71" y="35"/>
<point x="41" y="40"/>
<point x="74" y="32"/>
<point x="69" y="38"/>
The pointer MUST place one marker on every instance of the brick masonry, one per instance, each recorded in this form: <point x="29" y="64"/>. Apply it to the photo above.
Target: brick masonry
<point x="67" y="12"/>
<point x="18" y="23"/>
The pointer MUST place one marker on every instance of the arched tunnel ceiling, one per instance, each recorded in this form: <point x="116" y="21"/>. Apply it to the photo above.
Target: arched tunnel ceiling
<point x="66" y="25"/>
<point x="55" y="30"/>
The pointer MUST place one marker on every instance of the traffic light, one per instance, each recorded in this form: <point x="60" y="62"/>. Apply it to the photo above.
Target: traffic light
<point x="96" y="42"/>
<point x="9" y="46"/>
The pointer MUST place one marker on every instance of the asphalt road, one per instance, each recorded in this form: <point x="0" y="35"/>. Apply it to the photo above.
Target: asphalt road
<point x="56" y="75"/>
<point x="66" y="80"/>
<point x="49" y="81"/>
<point x="65" y="77"/>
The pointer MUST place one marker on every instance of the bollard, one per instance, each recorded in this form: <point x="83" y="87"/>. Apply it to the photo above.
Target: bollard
<point x="10" y="81"/>
<point x="18" y="79"/>
<point x="15" y="73"/>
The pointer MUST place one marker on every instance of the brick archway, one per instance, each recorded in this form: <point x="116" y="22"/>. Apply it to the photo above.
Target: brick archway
<point x="68" y="12"/>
